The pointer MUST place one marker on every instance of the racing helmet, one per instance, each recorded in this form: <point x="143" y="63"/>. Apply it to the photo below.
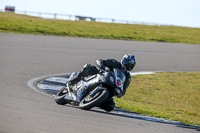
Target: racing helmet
<point x="128" y="61"/>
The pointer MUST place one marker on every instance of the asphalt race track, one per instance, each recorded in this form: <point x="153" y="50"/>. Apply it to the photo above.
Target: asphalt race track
<point x="25" y="57"/>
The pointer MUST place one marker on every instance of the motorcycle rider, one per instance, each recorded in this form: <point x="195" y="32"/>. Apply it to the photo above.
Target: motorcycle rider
<point x="127" y="63"/>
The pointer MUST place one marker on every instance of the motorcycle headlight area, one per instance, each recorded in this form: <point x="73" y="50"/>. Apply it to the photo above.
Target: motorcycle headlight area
<point x="119" y="82"/>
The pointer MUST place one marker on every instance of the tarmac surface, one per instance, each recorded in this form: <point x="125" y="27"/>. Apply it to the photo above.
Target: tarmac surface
<point x="24" y="57"/>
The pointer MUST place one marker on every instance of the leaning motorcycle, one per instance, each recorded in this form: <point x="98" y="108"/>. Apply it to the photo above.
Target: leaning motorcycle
<point x="100" y="88"/>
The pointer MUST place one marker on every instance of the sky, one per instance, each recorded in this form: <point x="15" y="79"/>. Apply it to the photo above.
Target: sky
<point x="171" y="12"/>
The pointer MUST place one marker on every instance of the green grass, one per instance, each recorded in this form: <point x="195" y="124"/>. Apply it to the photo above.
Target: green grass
<point x="10" y="22"/>
<point x="173" y="96"/>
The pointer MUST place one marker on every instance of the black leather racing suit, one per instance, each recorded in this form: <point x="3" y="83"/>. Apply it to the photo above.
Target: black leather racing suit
<point x="92" y="70"/>
<point x="112" y="63"/>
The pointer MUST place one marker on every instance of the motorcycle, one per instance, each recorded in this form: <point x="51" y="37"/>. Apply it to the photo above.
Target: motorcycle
<point x="100" y="88"/>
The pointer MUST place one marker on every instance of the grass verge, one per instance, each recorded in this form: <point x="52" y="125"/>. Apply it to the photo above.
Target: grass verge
<point x="11" y="22"/>
<point x="173" y="96"/>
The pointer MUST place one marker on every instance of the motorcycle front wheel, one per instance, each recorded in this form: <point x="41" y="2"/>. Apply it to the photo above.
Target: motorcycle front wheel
<point x="89" y="101"/>
<point x="60" y="96"/>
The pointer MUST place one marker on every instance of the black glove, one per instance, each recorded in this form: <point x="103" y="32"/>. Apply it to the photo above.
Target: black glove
<point x="119" y="96"/>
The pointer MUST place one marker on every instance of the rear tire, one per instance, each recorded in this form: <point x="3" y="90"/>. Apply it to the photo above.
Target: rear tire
<point x="60" y="96"/>
<point x="89" y="102"/>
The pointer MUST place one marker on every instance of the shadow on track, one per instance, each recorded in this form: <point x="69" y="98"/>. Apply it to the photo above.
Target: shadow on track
<point x="135" y="115"/>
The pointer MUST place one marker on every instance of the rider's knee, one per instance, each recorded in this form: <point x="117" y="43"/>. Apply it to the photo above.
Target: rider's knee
<point x="108" y="105"/>
<point x="88" y="70"/>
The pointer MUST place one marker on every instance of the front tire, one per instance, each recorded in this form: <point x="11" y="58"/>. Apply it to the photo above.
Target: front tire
<point x="89" y="102"/>
<point x="60" y="96"/>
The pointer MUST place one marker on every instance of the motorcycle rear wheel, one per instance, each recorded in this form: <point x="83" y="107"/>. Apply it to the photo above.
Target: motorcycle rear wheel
<point x="60" y="96"/>
<point x="89" y="101"/>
